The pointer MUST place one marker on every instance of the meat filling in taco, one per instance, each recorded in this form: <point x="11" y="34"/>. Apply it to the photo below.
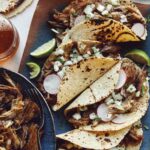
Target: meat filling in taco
<point x="129" y="89"/>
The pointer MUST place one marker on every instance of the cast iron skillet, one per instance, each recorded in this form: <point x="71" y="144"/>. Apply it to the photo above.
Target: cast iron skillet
<point x="46" y="122"/>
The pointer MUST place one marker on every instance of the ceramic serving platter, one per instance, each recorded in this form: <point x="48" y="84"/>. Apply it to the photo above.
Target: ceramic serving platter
<point x="41" y="33"/>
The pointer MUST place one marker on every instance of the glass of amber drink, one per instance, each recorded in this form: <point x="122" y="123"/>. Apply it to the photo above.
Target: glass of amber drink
<point x="9" y="39"/>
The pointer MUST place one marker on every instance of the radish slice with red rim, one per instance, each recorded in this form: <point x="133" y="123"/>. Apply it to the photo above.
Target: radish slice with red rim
<point x="138" y="29"/>
<point x="120" y="119"/>
<point x="103" y="113"/>
<point x="122" y="79"/>
<point x="52" y="83"/>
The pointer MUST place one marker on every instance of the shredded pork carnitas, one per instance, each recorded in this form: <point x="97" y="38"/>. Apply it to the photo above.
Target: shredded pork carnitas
<point x="18" y="118"/>
<point x="80" y="10"/>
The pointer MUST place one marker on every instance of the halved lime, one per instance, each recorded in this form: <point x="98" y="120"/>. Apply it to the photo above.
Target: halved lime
<point x="35" y="69"/>
<point x="44" y="50"/>
<point x="139" y="56"/>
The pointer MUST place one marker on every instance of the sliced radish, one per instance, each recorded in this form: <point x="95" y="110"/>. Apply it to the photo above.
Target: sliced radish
<point x="120" y="119"/>
<point x="79" y="19"/>
<point x="122" y="79"/>
<point x="144" y="35"/>
<point x="138" y="29"/>
<point x="103" y="113"/>
<point x="52" y="83"/>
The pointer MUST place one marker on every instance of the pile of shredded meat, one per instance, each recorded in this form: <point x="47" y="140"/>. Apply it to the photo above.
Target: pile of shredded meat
<point x="18" y="118"/>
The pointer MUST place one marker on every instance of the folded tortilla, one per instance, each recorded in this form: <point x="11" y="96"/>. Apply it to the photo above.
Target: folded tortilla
<point x="129" y="138"/>
<point x="90" y="140"/>
<point x="19" y="9"/>
<point x="124" y="14"/>
<point x="104" y="30"/>
<point x="77" y="76"/>
<point x="99" y="91"/>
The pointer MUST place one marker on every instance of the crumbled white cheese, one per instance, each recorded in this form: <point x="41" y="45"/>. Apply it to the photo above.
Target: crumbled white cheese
<point x="95" y="50"/>
<point x="89" y="10"/>
<point x="56" y="68"/>
<point x="92" y="116"/>
<point x="131" y="88"/>
<point x="79" y="58"/>
<point x="138" y="93"/>
<point x="75" y="51"/>
<point x="77" y="116"/>
<point x="68" y="63"/>
<point x="74" y="60"/>
<point x="109" y="101"/>
<point x="109" y="7"/>
<point x="123" y="16"/>
<point x="86" y="56"/>
<point x="98" y="55"/>
<point x="105" y="12"/>
<point x="61" y="73"/>
<point x="119" y="103"/>
<point x="114" y="2"/>
<point x="59" y="52"/>
<point x="62" y="58"/>
<point x="120" y="107"/>
<point x="123" y="20"/>
<point x="117" y="96"/>
<point x="100" y="8"/>
<point x="58" y="63"/>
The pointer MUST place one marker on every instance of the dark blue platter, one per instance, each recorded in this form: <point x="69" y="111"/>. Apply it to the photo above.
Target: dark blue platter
<point x="40" y="33"/>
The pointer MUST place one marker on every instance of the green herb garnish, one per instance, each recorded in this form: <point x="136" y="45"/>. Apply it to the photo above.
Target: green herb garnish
<point x="143" y="90"/>
<point x="97" y="119"/>
<point x="148" y="18"/>
<point x="59" y="59"/>
<point x="75" y="14"/>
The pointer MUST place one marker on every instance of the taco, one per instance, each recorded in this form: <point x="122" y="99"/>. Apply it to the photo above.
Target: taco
<point x="103" y="30"/>
<point x="109" y="106"/>
<point x="124" y="139"/>
<point x="71" y="69"/>
<point x="11" y="8"/>
<point x="79" y="11"/>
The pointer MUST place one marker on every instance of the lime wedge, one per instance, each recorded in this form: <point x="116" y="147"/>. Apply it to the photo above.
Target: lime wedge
<point x="44" y="50"/>
<point x="35" y="69"/>
<point x="139" y="56"/>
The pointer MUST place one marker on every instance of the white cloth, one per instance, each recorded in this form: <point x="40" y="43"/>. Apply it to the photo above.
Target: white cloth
<point x="22" y="22"/>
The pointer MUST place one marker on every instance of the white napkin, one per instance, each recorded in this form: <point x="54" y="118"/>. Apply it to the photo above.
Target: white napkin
<point x="22" y="22"/>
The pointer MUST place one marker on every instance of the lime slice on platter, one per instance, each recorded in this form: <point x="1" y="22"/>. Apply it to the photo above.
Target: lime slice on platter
<point x="44" y="50"/>
<point x="139" y="56"/>
<point x="35" y="69"/>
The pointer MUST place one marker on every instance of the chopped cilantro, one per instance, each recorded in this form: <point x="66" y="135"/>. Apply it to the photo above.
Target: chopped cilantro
<point x="59" y="59"/>
<point x="75" y="14"/>
<point x="148" y="18"/>
<point x="143" y="90"/>
<point x="98" y="118"/>
<point x="149" y="71"/>
<point x="146" y="127"/>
